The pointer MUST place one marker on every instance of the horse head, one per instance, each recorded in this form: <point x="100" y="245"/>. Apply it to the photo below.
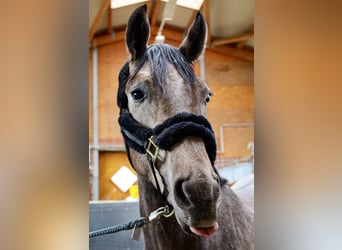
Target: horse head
<point x="160" y="93"/>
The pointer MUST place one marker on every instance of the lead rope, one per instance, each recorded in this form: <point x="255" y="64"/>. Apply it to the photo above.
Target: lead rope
<point x="136" y="225"/>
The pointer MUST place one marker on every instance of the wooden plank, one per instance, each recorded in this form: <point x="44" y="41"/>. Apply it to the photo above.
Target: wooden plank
<point x="244" y="37"/>
<point x="155" y="15"/>
<point x="149" y="8"/>
<point x="242" y="43"/>
<point x="104" y="6"/>
<point x="107" y="39"/>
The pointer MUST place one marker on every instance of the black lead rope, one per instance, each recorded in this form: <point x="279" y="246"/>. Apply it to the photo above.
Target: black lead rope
<point x="136" y="225"/>
<point x="114" y="229"/>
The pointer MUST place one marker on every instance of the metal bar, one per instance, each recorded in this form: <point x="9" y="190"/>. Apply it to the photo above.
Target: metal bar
<point x="108" y="147"/>
<point x="95" y="127"/>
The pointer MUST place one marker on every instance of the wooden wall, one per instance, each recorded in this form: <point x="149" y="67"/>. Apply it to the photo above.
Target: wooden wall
<point x="230" y="78"/>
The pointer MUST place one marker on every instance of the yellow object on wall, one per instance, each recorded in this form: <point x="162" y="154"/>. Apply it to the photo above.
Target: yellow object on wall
<point x="110" y="163"/>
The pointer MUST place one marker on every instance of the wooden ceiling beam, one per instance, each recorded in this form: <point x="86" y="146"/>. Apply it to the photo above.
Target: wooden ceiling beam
<point x="242" y="43"/>
<point x="155" y="15"/>
<point x="104" y="6"/>
<point x="107" y="39"/>
<point x="172" y="34"/>
<point x="149" y="8"/>
<point x="244" y="37"/>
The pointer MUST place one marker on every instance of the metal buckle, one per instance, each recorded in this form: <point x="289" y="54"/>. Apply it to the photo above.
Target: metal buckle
<point x="153" y="153"/>
<point x="164" y="211"/>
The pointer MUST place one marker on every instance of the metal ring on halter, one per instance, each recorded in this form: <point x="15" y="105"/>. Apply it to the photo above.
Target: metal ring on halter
<point x="152" y="149"/>
<point x="165" y="211"/>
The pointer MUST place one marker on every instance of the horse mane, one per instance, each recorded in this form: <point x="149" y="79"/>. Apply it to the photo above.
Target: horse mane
<point x="158" y="56"/>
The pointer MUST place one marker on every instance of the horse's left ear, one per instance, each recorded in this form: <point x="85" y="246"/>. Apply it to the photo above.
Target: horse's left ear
<point x="137" y="32"/>
<point x="193" y="44"/>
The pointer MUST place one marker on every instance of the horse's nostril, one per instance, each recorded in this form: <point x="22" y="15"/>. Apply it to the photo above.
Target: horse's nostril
<point x="180" y="196"/>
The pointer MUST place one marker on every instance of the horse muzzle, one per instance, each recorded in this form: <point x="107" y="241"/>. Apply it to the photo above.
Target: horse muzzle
<point x="196" y="203"/>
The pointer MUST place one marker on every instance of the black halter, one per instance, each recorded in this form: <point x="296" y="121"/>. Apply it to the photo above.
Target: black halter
<point x="168" y="133"/>
<point x="149" y="141"/>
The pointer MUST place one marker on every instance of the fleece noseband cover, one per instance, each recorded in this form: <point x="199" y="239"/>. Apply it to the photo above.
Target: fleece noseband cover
<point x="169" y="133"/>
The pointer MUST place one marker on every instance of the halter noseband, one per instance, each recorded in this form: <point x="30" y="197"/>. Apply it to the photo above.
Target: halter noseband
<point x="149" y="141"/>
<point x="167" y="134"/>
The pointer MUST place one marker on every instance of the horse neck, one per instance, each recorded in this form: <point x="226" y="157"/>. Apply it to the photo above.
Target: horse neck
<point x="149" y="198"/>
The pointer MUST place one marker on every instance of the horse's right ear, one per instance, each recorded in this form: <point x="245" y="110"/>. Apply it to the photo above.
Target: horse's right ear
<point x="194" y="42"/>
<point x="137" y="32"/>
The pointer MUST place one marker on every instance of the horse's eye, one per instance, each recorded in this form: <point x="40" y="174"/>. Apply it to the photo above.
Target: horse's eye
<point x="207" y="99"/>
<point x="138" y="95"/>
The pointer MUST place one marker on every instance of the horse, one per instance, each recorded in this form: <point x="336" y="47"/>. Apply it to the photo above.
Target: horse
<point x="172" y="146"/>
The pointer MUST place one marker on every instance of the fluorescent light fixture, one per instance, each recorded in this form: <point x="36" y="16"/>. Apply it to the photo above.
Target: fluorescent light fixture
<point x="191" y="4"/>
<point x="122" y="3"/>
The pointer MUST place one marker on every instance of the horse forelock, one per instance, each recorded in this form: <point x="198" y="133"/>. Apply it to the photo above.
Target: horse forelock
<point x="159" y="56"/>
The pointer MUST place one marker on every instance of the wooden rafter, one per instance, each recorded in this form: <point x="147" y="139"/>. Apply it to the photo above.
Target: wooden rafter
<point x="244" y="37"/>
<point x="154" y="15"/>
<point x="242" y="43"/>
<point x="104" y="7"/>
